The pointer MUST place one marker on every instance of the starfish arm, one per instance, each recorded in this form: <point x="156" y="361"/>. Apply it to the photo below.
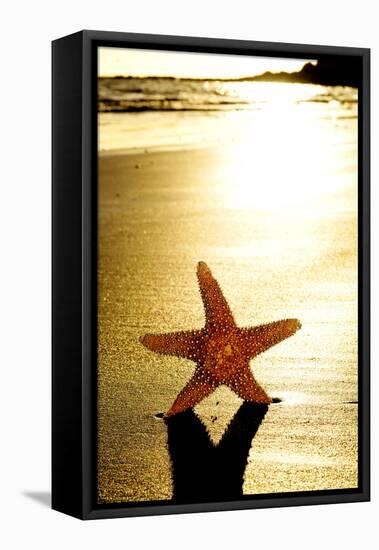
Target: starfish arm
<point x="198" y="387"/>
<point x="181" y="344"/>
<point x="258" y="339"/>
<point x="246" y="387"/>
<point x="217" y="311"/>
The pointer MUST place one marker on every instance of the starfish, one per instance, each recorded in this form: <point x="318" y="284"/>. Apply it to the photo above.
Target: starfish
<point x="221" y="350"/>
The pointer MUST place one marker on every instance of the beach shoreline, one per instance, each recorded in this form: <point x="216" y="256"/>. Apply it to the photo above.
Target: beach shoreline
<point x="161" y="212"/>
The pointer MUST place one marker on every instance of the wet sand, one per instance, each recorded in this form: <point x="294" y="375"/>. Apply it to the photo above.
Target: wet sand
<point x="292" y="255"/>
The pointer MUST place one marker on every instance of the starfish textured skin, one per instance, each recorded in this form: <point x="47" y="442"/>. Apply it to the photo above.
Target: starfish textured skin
<point x="221" y="350"/>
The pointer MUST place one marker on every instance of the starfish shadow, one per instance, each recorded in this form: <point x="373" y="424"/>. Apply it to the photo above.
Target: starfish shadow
<point x="202" y="471"/>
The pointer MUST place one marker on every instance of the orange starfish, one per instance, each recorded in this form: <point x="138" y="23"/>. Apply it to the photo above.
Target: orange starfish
<point x="221" y="350"/>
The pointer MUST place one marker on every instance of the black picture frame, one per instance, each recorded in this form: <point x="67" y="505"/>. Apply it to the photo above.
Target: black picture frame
<point x="74" y="253"/>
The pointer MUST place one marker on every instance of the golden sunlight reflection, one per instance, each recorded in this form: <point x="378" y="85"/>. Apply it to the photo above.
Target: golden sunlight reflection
<point x="272" y="168"/>
<point x="277" y="94"/>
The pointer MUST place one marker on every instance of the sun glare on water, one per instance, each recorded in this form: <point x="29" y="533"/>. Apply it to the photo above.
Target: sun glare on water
<point x="285" y="154"/>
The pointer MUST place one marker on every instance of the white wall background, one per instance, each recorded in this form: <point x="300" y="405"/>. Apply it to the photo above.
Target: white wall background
<point x="27" y="29"/>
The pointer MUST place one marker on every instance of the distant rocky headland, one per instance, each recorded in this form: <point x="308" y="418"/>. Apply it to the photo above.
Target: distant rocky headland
<point x="341" y="71"/>
<point x="328" y="72"/>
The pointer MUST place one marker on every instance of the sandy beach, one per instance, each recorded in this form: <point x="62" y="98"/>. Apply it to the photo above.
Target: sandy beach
<point x="279" y="249"/>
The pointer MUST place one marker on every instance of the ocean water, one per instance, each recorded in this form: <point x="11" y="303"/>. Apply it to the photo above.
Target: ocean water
<point x="140" y="113"/>
<point x="122" y="94"/>
<point x="267" y="196"/>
